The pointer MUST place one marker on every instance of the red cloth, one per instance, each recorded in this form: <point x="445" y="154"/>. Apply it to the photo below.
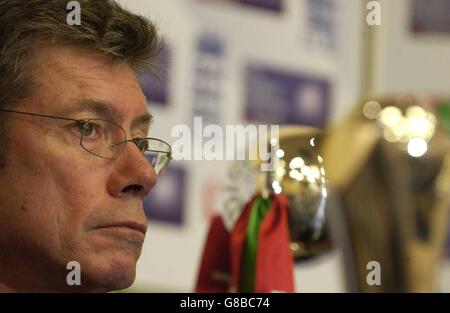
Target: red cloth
<point x="223" y="251"/>
<point x="216" y="259"/>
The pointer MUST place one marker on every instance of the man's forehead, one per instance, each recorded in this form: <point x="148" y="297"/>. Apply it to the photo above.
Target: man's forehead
<point x="90" y="82"/>
<point x="68" y="56"/>
<point x="83" y="67"/>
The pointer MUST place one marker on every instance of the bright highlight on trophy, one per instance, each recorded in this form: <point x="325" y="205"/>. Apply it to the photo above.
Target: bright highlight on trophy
<point x="412" y="129"/>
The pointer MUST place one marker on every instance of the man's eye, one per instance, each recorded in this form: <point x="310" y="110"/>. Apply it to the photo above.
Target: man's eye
<point x="88" y="130"/>
<point x="142" y="144"/>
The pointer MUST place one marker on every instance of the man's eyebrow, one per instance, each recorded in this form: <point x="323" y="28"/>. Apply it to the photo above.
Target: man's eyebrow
<point x="103" y="109"/>
<point x="145" y="120"/>
<point x="108" y="111"/>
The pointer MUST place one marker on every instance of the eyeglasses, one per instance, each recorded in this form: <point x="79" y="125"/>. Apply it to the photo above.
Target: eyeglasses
<point x="106" y="139"/>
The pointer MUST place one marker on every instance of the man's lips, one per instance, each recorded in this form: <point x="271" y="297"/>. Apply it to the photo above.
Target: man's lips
<point x="128" y="224"/>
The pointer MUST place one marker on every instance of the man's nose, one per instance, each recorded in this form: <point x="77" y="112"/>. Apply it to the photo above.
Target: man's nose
<point x="133" y="174"/>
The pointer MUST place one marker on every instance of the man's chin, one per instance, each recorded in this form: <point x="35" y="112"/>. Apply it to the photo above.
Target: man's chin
<point x="108" y="273"/>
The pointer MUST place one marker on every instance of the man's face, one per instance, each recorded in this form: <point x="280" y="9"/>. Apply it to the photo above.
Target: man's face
<point x="58" y="202"/>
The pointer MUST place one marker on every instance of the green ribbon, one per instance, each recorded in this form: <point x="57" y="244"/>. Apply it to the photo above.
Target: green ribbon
<point x="259" y="210"/>
<point x="444" y="115"/>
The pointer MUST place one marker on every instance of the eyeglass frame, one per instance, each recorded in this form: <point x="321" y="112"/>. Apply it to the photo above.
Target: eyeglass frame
<point x="169" y="153"/>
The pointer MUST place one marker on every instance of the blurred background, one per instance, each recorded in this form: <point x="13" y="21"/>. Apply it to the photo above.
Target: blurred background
<point x="297" y="62"/>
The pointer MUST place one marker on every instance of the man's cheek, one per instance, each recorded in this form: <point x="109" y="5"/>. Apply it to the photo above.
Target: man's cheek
<point x="79" y="189"/>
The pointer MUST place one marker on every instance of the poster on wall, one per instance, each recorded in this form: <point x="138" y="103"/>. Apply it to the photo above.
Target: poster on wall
<point x="281" y="97"/>
<point x="271" y="5"/>
<point x="156" y="85"/>
<point x="275" y="6"/>
<point x="165" y="202"/>
<point x="430" y="17"/>
<point x="321" y="24"/>
<point x="208" y="77"/>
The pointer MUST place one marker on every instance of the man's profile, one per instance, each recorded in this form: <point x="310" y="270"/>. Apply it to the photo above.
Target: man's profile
<point x="75" y="160"/>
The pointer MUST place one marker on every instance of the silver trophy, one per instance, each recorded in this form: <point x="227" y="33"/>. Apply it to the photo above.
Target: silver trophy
<point x="297" y="172"/>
